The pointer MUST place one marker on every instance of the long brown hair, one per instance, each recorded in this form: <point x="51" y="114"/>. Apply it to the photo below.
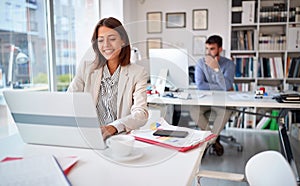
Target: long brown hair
<point x="113" y="23"/>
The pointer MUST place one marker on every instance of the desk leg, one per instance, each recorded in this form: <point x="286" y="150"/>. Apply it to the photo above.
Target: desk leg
<point x="286" y="149"/>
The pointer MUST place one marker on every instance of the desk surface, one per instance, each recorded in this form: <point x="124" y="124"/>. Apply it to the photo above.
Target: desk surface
<point x="157" y="166"/>
<point x="221" y="98"/>
<point x="234" y="99"/>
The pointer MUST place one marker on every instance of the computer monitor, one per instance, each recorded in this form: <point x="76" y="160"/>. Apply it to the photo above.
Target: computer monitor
<point x="175" y="61"/>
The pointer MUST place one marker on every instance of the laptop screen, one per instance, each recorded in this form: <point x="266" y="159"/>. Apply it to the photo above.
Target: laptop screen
<point x="56" y="118"/>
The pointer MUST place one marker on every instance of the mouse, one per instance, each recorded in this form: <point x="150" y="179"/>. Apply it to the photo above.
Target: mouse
<point x="171" y="95"/>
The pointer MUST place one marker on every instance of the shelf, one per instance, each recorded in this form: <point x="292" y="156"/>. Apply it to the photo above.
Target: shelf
<point x="243" y="80"/>
<point x="242" y="51"/>
<point x="293" y="80"/>
<point x="270" y="45"/>
<point x="294" y="52"/>
<point x="272" y="51"/>
<point x="244" y="25"/>
<point x="294" y="23"/>
<point x="273" y="24"/>
<point x="269" y="81"/>
<point x="269" y="40"/>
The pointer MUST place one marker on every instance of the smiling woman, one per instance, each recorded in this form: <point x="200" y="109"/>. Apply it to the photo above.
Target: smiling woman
<point x="112" y="29"/>
<point x="110" y="44"/>
<point x="117" y="86"/>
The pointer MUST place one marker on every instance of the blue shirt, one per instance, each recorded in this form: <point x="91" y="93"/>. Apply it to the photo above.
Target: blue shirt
<point x="208" y="79"/>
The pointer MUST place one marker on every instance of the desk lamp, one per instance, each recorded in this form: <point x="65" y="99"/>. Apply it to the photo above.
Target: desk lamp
<point x="135" y="55"/>
<point x="21" y="58"/>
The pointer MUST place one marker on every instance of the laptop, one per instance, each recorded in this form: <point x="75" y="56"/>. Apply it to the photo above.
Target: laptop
<point x="56" y="118"/>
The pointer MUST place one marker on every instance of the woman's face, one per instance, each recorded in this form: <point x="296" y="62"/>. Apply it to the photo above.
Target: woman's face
<point x="109" y="43"/>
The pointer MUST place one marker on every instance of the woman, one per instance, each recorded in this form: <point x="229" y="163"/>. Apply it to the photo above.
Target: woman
<point x="118" y="87"/>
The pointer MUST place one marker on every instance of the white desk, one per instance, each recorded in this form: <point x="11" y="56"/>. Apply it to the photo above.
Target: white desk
<point x="237" y="99"/>
<point x="221" y="98"/>
<point x="158" y="166"/>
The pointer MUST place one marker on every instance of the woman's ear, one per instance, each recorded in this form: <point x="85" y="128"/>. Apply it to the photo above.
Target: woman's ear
<point x="123" y="43"/>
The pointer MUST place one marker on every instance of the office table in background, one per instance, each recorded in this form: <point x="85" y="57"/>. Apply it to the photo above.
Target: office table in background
<point x="237" y="99"/>
<point x="221" y="98"/>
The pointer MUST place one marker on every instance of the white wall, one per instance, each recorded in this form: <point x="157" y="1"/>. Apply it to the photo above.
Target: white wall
<point x="135" y="22"/>
<point x="112" y="8"/>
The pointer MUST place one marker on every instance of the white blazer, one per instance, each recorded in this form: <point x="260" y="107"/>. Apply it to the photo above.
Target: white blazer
<point x="132" y="108"/>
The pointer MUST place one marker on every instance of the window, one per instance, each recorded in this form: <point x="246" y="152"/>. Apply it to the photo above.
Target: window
<point x="23" y="41"/>
<point x="22" y="44"/>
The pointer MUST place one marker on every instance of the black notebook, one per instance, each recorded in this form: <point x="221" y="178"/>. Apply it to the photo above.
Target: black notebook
<point x="288" y="98"/>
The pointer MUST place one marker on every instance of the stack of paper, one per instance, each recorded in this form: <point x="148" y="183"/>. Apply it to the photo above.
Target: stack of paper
<point x="193" y="140"/>
<point x="40" y="170"/>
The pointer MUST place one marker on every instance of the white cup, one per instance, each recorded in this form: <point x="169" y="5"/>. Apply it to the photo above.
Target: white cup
<point x="120" y="145"/>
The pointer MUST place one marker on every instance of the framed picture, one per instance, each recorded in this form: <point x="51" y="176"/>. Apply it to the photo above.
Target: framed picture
<point x="199" y="45"/>
<point x="200" y="19"/>
<point x="154" y="22"/>
<point x="153" y="43"/>
<point x="175" y="20"/>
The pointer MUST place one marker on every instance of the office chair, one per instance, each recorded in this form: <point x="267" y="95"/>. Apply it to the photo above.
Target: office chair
<point x="191" y="74"/>
<point x="269" y="168"/>
<point x="229" y="140"/>
<point x="264" y="168"/>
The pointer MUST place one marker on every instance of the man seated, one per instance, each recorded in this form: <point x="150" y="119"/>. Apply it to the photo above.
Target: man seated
<point x="213" y="72"/>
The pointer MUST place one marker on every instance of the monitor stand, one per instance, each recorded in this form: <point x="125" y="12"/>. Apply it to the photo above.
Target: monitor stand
<point x="160" y="83"/>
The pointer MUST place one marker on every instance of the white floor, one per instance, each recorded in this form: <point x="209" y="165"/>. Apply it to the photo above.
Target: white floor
<point x="234" y="161"/>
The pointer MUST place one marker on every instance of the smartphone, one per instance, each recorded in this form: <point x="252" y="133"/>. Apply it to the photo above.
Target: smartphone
<point x="171" y="133"/>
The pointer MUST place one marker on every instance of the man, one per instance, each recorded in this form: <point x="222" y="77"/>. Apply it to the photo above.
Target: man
<point x="213" y="72"/>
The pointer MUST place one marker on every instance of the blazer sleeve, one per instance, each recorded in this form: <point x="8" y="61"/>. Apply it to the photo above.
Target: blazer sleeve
<point x="77" y="84"/>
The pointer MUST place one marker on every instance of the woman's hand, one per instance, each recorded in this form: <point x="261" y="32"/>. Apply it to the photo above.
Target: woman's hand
<point x="108" y="130"/>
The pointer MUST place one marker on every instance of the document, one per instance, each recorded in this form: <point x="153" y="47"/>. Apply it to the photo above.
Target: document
<point x="293" y="38"/>
<point x="66" y="163"/>
<point x="248" y="12"/>
<point x="194" y="139"/>
<point x="240" y="96"/>
<point x="40" y="170"/>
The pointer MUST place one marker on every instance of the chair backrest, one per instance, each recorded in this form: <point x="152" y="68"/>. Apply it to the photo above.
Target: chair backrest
<point x="269" y="168"/>
<point x="191" y="74"/>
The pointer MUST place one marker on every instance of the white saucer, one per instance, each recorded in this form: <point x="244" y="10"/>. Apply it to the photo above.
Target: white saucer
<point x="136" y="153"/>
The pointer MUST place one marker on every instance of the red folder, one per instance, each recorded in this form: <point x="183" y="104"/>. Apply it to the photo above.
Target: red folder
<point x="180" y="149"/>
<point x="193" y="140"/>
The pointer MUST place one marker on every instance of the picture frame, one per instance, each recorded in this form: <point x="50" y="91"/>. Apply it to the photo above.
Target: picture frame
<point x="154" y="22"/>
<point x="200" y="19"/>
<point x="176" y="20"/>
<point x="199" y="45"/>
<point x="153" y="43"/>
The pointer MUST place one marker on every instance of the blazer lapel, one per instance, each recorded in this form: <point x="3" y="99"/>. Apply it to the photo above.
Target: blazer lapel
<point x="96" y="81"/>
<point x="121" y="86"/>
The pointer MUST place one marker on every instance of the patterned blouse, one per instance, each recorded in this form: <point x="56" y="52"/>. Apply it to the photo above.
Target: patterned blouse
<point x="107" y="104"/>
